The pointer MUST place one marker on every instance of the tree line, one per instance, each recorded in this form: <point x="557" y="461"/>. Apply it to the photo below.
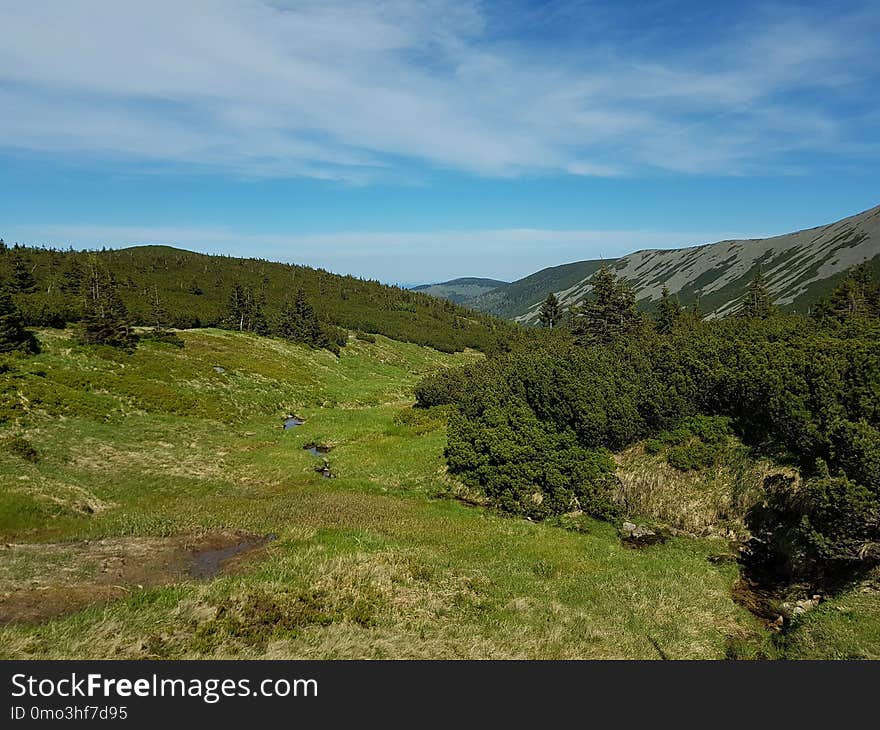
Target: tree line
<point x="181" y="290"/>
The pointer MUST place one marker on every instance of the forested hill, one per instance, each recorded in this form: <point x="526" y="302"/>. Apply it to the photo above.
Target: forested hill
<point x="195" y="291"/>
<point x="461" y="291"/>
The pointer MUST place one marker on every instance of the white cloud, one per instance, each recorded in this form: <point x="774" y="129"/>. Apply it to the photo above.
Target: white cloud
<point x="344" y="89"/>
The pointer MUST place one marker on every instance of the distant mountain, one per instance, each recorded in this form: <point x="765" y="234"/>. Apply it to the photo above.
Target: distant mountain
<point x="515" y="299"/>
<point x="461" y="290"/>
<point x="799" y="268"/>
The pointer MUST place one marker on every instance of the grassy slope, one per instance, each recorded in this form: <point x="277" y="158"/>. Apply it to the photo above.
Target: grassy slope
<point x="371" y="564"/>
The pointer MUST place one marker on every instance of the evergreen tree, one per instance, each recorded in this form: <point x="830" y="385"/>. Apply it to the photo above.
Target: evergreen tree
<point x="669" y="311"/>
<point x="161" y="322"/>
<point x="858" y="295"/>
<point x="105" y="318"/>
<point x="13" y="335"/>
<point x="299" y="322"/>
<point x="244" y="311"/>
<point x="73" y="276"/>
<point x="236" y="309"/>
<point x="757" y="302"/>
<point x="551" y="312"/>
<point x="609" y="313"/>
<point x="22" y="277"/>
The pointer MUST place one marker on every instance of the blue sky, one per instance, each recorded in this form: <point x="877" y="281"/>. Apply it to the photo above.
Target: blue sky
<point x="417" y="141"/>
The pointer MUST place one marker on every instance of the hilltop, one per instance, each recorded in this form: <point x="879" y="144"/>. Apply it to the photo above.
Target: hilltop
<point x="195" y="289"/>
<point x="461" y="290"/>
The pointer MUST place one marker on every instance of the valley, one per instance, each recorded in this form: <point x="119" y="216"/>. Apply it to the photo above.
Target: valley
<point x="157" y="453"/>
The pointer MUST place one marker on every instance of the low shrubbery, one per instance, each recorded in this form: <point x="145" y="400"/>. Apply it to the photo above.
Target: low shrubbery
<point x="531" y="422"/>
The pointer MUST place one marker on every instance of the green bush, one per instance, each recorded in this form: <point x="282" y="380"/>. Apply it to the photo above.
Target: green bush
<point x="694" y="456"/>
<point x="825" y="532"/>
<point x="20" y="447"/>
<point x="525" y="467"/>
<point x="855" y="450"/>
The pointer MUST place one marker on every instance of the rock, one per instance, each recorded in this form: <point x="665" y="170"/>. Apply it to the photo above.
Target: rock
<point x="639" y="536"/>
<point x="218" y="369"/>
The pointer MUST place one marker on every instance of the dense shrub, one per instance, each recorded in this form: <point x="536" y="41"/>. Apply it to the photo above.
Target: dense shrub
<point x="826" y="531"/>
<point x="526" y="467"/>
<point x="855" y="450"/>
<point x="20" y="447"/>
<point x="801" y="388"/>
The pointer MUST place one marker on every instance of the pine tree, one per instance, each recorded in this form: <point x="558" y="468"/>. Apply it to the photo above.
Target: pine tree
<point x="299" y="322"/>
<point x="13" y="335"/>
<point x="609" y="313"/>
<point x="858" y="295"/>
<point x="757" y="302"/>
<point x="551" y="312"/>
<point x="669" y="311"/>
<point x="161" y="321"/>
<point x="236" y="309"/>
<point x="22" y="277"/>
<point x="244" y="311"/>
<point x="73" y="277"/>
<point x="105" y="318"/>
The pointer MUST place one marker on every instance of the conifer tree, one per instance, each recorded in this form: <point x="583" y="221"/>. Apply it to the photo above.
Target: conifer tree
<point x="551" y="312"/>
<point x="161" y="321"/>
<point x="105" y="318"/>
<point x="609" y="313"/>
<point x="13" y="335"/>
<point x="757" y="302"/>
<point x="22" y="278"/>
<point x="669" y="311"/>
<point x="858" y="295"/>
<point x="299" y="322"/>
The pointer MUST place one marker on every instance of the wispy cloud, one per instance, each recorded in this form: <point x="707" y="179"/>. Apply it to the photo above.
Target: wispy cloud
<point x="347" y="90"/>
<point x="415" y="257"/>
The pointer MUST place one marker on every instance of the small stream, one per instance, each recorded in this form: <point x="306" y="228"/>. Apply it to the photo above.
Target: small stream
<point x="320" y="452"/>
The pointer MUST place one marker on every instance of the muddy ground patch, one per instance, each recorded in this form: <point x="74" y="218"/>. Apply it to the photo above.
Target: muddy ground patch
<point x="39" y="582"/>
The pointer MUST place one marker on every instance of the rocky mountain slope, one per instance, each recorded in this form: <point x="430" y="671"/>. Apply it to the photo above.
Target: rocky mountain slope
<point x="799" y="268"/>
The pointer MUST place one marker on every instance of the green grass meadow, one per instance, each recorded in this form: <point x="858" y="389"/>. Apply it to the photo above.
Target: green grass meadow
<point x="378" y="562"/>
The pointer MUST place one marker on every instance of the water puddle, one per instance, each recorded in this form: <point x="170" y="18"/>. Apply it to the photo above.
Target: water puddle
<point x="293" y="422"/>
<point x="65" y="577"/>
<point x="209" y="562"/>
<point x="320" y="452"/>
<point x="316" y="450"/>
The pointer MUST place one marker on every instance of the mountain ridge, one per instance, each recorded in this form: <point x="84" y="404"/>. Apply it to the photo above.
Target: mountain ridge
<point x="799" y="268"/>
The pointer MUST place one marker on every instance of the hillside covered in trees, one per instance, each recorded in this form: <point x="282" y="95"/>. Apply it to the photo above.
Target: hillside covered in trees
<point x="159" y="286"/>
